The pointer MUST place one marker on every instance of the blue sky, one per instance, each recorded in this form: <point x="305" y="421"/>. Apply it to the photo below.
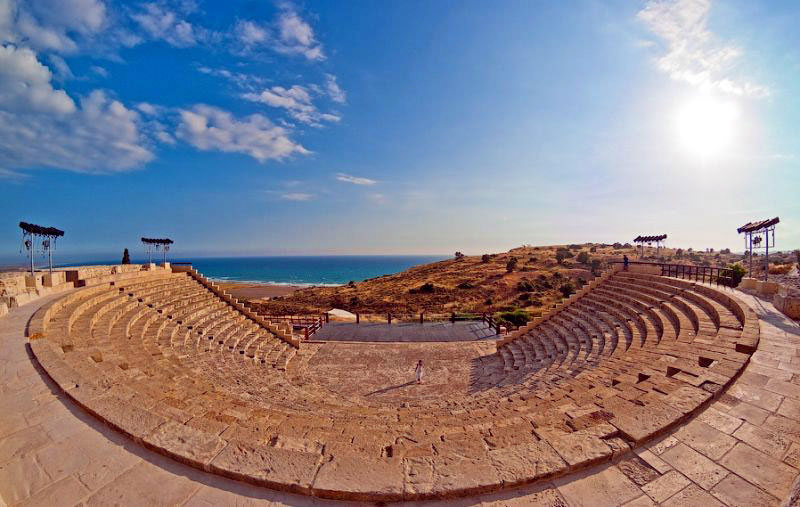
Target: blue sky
<point x="259" y="128"/>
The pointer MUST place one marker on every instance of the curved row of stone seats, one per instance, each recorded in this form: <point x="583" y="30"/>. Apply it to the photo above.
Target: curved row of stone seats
<point x="708" y="359"/>
<point x="598" y="377"/>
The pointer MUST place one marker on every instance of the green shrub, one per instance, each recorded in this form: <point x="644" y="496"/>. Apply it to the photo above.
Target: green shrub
<point x="485" y="258"/>
<point x="562" y="255"/>
<point x="511" y="264"/>
<point x="737" y="273"/>
<point x="583" y="257"/>
<point x="525" y="285"/>
<point x="567" y="289"/>
<point x="516" y="318"/>
<point x="425" y="288"/>
<point x="466" y="285"/>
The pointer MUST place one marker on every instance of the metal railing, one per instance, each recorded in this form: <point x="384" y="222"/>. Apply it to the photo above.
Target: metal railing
<point x="710" y="274"/>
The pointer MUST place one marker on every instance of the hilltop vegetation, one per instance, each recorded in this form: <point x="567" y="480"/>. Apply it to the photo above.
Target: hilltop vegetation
<point x="525" y="279"/>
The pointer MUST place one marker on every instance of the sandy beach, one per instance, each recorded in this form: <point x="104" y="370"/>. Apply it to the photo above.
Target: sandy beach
<point x="257" y="290"/>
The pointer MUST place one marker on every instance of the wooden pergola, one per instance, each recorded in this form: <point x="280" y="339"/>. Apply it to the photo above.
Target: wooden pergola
<point x="641" y="240"/>
<point x="157" y="244"/>
<point x="759" y="234"/>
<point x="48" y="236"/>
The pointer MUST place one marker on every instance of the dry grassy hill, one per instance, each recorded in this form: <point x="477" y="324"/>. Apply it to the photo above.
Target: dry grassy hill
<point x="537" y="278"/>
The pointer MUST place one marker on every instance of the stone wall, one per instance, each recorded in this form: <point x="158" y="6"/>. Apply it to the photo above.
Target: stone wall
<point x="19" y="288"/>
<point x="783" y="298"/>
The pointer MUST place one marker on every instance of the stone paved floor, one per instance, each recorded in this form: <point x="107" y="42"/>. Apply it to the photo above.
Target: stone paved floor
<point x="743" y="450"/>
<point x="405" y="332"/>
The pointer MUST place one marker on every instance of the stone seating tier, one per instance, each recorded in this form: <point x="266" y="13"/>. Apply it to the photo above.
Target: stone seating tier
<point x="170" y="362"/>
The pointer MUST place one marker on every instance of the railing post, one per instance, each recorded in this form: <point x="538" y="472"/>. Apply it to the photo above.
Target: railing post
<point x="389" y="317"/>
<point x="453" y="317"/>
<point x="358" y="318"/>
<point x="306" y="328"/>
<point x="327" y="318"/>
<point x="420" y="317"/>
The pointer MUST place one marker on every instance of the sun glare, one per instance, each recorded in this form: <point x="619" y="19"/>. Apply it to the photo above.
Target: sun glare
<point x="706" y="126"/>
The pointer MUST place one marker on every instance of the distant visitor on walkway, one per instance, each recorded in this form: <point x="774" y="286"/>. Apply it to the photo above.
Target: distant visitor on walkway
<point x="418" y="371"/>
<point x="625" y="262"/>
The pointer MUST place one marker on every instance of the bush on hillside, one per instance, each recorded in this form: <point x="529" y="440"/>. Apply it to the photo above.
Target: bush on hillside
<point x="737" y="273"/>
<point x="466" y="285"/>
<point x="485" y="258"/>
<point x="511" y="264"/>
<point x="525" y="285"/>
<point x="459" y="255"/>
<point x="516" y="318"/>
<point x="562" y="255"/>
<point x="567" y="289"/>
<point x="583" y="257"/>
<point x="425" y="288"/>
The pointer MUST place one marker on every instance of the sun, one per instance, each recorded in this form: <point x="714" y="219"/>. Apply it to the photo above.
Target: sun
<point x="706" y="126"/>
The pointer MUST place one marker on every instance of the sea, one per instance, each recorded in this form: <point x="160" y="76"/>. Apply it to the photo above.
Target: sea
<point x="295" y="270"/>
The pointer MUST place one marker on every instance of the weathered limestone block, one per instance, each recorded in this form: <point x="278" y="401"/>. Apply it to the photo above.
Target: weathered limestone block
<point x="789" y="305"/>
<point x="282" y="469"/>
<point x="767" y="288"/>
<point x="353" y="476"/>
<point x="185" y="444"/>
<point x="748" y="283"/>
<point x="527" y="462"/>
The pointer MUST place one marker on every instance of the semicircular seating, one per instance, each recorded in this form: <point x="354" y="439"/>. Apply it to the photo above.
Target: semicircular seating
<point x="164" y="359"/>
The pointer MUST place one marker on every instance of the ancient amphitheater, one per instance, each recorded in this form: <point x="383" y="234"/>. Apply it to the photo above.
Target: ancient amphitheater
<point x="153" y="386"/>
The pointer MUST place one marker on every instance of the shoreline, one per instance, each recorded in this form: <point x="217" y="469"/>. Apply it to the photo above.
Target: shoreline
<point x="257" y="290"/>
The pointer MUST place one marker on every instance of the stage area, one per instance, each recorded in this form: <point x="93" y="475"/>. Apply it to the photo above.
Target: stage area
<point x="405" y="332"/>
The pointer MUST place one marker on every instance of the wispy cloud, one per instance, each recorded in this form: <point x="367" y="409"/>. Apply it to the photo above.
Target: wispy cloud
<point x="159" y="22"/>
<point x="211" y="128"/>
<point x="296" y="100"/>
<point x="692" y="53"/>
<point x="355" y="180"/>
<point x="297" y="196"/>
<point x="333" y="89"/>
<point x="289" y="34"/>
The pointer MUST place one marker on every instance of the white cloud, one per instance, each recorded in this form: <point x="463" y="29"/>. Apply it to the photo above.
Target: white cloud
<point x="334" y="91"/>
<point x="250" y="33"/>
<point x="161" y="23"/>
<point x="355" y="180"/>
<point x="295" y="36"/>
<point x="692" y="53"/>
<point x="297" y="196"/>
<point x="296" y="100"/>
<point x="53" y="25"/>
<point x="100" y="136"/>
<point x="62" y="70"/>
<point x="241" y="79"/>
<point x="25" y="84"/>
<point x="289" y="35"/>
<point x="210" y="128"/>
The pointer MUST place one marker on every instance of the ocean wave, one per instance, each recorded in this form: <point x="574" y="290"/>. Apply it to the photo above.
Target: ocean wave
<point x="227" y="279"/>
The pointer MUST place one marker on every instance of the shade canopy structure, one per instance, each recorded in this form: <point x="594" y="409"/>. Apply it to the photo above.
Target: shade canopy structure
<point x="38" y="230"/>
<point x="759" y="234"/>
<point x="157" y="244"/>
<point x="657" y="239"/>
<point x="157" y="241"/>
<point x="758" y="226"/>
<point x="48" y="236"/>
<point x="649" y="239"/>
